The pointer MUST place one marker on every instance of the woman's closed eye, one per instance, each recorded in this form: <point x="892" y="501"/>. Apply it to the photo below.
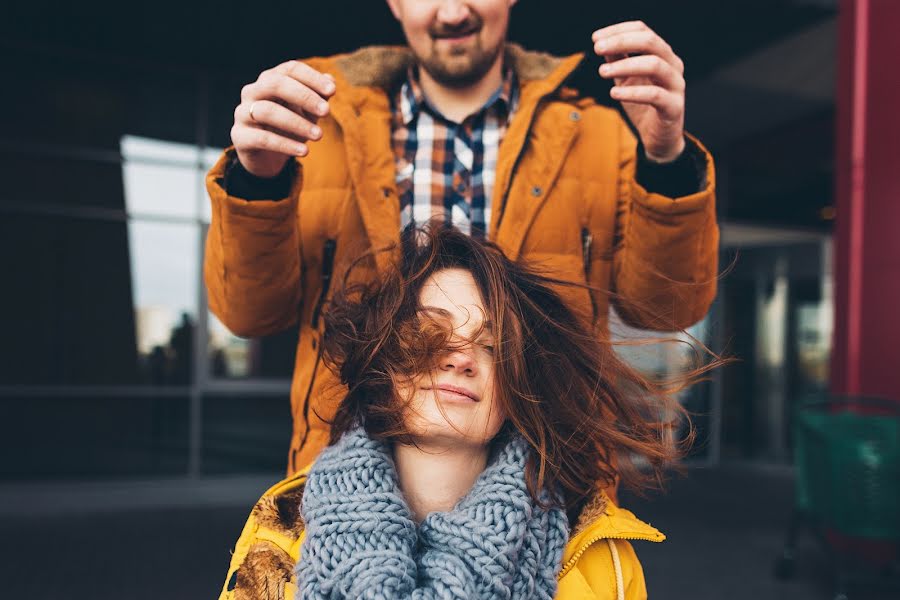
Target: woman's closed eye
<point x="487" y="345"/>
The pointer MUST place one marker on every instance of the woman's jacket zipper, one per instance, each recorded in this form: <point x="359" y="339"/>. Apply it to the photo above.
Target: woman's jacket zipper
<point x="593" y="540"/>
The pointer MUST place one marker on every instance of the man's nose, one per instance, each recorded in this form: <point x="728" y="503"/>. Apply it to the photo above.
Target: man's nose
<point x="459" y="361"/>
<point x="453" y="12"/>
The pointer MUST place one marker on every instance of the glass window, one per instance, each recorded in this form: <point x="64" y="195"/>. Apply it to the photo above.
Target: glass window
<point x="160" y="178"/>
<point x="95" y="299"/>
<point x="245" y="434"/>
<point x="229" y="355"/>
<point x="165" y="272"/>
<point x="66" y="304"/>
<point x="93" y="437"/>
<point x="104" y="210"/>
<point x="664" y="355"/>
<point x="135" y="147"/>
<point x="271" y="357"/>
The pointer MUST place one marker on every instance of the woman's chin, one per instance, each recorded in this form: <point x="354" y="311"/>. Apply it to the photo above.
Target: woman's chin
<point x="449" y="437"/>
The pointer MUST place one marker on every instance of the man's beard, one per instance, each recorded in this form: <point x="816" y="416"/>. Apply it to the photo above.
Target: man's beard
<point x="466" y="65"/>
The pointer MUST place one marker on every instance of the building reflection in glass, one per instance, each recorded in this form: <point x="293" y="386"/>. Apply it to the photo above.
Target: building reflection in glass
<point x="163" y="243"/>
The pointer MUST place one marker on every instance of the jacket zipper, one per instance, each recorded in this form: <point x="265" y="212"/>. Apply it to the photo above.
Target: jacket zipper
<point x="328" y="252"/>
<point x="512" y="173"/>
<point x="586" y="240"/>
<point x="515" y="166"/>
<point x="327" y="270"/>
<point x="584" y="547"/>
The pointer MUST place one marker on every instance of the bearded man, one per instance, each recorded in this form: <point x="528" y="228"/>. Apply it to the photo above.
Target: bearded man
<point x="333" y="157"/>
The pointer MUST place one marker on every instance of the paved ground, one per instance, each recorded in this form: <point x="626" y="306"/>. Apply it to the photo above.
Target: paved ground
<point x="725" y="526"/>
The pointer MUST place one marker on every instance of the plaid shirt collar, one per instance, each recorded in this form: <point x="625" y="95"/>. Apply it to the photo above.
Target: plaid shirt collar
<point x="413" y="99"/>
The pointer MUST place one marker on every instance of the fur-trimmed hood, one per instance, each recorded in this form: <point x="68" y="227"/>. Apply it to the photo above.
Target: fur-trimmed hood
<point x="385" y="66"/>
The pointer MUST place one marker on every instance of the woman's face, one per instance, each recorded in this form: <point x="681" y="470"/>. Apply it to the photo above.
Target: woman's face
<point x="455" y="404"/>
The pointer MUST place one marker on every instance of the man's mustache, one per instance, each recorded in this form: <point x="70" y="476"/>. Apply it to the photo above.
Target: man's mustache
<point x="442" y="30"/>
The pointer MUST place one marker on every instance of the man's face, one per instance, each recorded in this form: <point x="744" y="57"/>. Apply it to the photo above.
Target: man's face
<point x="456" y="41"/>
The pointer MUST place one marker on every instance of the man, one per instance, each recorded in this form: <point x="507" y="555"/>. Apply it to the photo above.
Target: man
<point x="332" y="157"/>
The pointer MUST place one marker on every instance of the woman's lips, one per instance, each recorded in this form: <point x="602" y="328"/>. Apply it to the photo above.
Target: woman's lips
<point x="455" y="393"/>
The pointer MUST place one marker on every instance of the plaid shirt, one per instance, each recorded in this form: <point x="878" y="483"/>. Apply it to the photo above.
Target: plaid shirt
<point x="445" y="169"/>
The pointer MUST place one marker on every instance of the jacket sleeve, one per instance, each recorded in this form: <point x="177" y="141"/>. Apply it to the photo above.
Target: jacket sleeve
<point x="253" y="257"/>
<point x="665" y="256"/>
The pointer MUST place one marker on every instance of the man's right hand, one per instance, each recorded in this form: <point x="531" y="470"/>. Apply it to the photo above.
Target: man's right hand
<point x="286" y="102"/>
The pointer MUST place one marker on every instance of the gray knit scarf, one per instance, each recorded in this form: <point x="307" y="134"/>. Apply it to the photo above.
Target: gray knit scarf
<point x="361" y="540"/>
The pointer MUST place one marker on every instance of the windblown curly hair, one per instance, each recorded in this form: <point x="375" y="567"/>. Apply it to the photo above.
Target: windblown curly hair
<point x="590" y="418"/>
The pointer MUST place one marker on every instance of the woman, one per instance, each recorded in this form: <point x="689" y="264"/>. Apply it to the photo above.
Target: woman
<point x="481" y="422"/>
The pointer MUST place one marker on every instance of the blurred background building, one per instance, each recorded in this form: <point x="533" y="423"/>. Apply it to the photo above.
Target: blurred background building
<point x="118" y="388"/>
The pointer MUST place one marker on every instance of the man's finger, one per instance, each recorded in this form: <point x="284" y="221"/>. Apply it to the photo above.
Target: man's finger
<point x="637" y="42"/>
<point x="275" y="116"/>
<point x="306" y="75"/>
<point x="669" y="104"/>
<point x="257" y="138"/>
<point x="646" y="65"/>
<point x="288" y="91"/>
<point x="619" y="28"/>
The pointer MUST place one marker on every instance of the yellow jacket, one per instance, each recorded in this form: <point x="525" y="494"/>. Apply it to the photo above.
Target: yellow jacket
<point x="565" y="198"/>
<point x="598" y="562"/>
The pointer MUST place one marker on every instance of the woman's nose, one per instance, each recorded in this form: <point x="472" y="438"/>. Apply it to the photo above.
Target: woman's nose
<point x="459" y="361"/>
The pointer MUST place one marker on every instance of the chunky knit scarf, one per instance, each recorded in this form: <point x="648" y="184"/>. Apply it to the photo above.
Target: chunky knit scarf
<point x="361" y="540"/>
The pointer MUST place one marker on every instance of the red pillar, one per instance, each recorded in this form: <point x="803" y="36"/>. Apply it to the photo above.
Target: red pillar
<point x="866" y="351"/>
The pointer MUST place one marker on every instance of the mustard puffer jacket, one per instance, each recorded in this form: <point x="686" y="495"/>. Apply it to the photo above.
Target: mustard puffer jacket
<point x="598" y="562"/>
<point x="565" y="199"/>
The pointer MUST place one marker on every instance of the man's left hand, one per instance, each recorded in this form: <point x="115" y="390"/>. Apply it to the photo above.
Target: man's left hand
<point x="649" y="82"/>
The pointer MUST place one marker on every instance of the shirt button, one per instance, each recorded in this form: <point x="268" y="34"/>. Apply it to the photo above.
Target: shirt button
<point x="536" y="191"/>
<point x="575" y="115"/>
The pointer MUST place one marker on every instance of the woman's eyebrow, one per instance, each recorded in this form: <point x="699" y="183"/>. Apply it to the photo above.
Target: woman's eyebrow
<point x="487" y="325"/>
<point x="441" y="312"/>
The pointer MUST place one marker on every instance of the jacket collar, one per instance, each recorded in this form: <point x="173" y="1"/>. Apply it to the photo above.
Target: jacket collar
<point x="362" y="110"/>
<point x="385" y="67"/>
<point x="602" y="520"/>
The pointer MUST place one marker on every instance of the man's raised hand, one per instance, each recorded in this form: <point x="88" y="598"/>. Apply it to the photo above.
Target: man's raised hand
<point x="649" y="82"/>
<point x="277" y="116"/>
